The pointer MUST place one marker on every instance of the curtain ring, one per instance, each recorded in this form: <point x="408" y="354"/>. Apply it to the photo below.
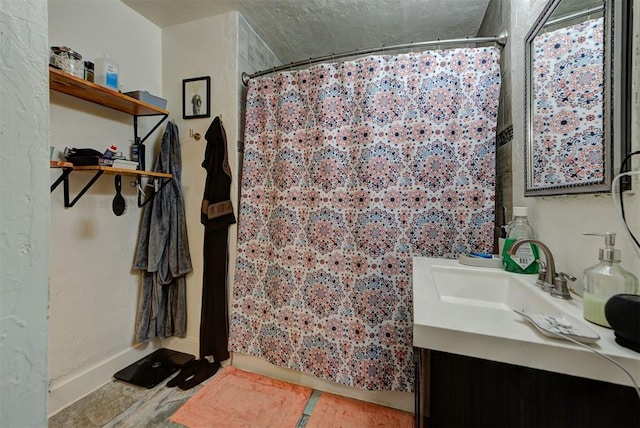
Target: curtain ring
<point x="291" y="66"/>
<point x="333" y="58"/>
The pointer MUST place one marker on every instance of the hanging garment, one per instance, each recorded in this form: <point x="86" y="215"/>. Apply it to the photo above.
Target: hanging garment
<point x="216" y="216"/>
<point x="349" y="171"/>
<point x="163" y="251"/>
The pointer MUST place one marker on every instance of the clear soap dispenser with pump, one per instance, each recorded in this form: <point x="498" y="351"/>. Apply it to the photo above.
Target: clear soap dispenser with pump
<point x="605" y="280"/>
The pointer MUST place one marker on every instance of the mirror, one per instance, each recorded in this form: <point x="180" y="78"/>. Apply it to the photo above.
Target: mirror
<point x="578" y="60"/>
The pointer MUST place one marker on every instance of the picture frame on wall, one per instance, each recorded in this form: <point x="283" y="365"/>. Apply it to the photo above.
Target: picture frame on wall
<point x="196" y="97"/>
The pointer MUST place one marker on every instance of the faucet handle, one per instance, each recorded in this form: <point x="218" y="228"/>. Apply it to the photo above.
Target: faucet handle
<point x="566" y="276"/>
<point x="542" y="275"/>
<point x="561" y="290"/>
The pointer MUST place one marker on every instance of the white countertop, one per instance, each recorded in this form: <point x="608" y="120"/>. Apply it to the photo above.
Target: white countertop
<point x="505" y="336"/>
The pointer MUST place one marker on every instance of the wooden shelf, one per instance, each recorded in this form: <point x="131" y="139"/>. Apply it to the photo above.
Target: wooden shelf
<point x="76" y="87"/>
<point x="68" y="84"/>
<point x="109" y="170"/>
<point x="122" y="171"/>
<point x="99" y="170"/>
<point x="60" y="164"/>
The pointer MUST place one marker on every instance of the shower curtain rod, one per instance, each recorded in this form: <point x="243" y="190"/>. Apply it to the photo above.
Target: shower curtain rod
<point x="500" y="39"/>
<point x="580" y="14"/>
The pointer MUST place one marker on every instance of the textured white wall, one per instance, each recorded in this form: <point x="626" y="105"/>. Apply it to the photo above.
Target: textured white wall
<point x="94" y="292"/>
<point x="559" y="221"/>
<point x="24" y="213"/>
<point x="205" y="47"/>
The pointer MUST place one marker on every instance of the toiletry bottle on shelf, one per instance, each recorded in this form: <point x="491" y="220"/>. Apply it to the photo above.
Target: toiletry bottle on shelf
<point x="106" y="72"/>
<point x="524" y="261"/>
<point x="135" y="150"/>
<point x="605" y="280"/>
<point x="111" y="152"/>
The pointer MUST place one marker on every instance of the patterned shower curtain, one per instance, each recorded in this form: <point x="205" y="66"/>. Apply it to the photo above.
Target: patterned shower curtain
<point x="568" y="112"/>
<point x="349" y="171"/>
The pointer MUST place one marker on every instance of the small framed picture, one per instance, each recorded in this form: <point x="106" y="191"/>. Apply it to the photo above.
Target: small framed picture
<point x="196" y="97"/>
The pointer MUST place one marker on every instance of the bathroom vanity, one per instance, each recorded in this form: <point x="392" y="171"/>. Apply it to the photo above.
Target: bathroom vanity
<point x="479" y="363"/>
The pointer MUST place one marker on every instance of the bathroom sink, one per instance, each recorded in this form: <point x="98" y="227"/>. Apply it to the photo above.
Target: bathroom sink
<point x="478" y="300"/>
<point x="469" y="310"/>
<point x="487" y="288"/>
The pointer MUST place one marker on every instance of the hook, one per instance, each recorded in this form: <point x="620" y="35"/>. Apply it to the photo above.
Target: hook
<point x="333" y="58"/>
<point x="291" y="66"/>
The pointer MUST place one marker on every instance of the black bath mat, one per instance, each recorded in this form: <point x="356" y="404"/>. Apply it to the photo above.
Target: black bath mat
<point x="154" y="368"/>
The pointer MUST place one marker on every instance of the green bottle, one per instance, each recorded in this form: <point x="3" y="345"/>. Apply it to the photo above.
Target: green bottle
<point x="524" y="261"/>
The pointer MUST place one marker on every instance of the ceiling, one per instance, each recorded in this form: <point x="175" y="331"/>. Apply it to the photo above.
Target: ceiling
<point x="300" y="29"/>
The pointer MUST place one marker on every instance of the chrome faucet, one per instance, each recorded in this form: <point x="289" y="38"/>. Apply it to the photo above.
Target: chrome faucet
<point x="555" y="283"/>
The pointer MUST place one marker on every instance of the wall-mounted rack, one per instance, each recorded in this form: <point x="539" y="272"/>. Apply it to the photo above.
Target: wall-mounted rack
<point x="68" y="167"/>
<point x="66" y="83"/>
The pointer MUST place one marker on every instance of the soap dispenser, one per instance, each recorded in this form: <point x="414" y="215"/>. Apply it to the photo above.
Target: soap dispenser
<point x="605" y="280"/>
<point x="524" y="261"/>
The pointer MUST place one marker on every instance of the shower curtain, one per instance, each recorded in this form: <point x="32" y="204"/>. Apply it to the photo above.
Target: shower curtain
<point x="350" y="170"/>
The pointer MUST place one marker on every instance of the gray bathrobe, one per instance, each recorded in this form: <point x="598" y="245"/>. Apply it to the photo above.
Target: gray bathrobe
<point x="163" y="251"/>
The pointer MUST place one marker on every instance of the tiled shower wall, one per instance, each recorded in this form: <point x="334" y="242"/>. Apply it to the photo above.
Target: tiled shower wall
<point x="253" y="55"/>
<point x="496" y="20"/>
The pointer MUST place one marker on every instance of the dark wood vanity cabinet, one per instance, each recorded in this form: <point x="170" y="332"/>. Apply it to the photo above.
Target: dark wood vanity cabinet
<point x="460" y="391"/>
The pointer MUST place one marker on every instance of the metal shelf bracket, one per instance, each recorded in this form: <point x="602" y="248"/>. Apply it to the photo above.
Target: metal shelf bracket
<point x="153" y="194"/>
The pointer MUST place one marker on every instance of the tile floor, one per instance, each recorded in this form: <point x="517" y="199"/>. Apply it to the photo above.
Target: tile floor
<point x="122" y="405"/>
